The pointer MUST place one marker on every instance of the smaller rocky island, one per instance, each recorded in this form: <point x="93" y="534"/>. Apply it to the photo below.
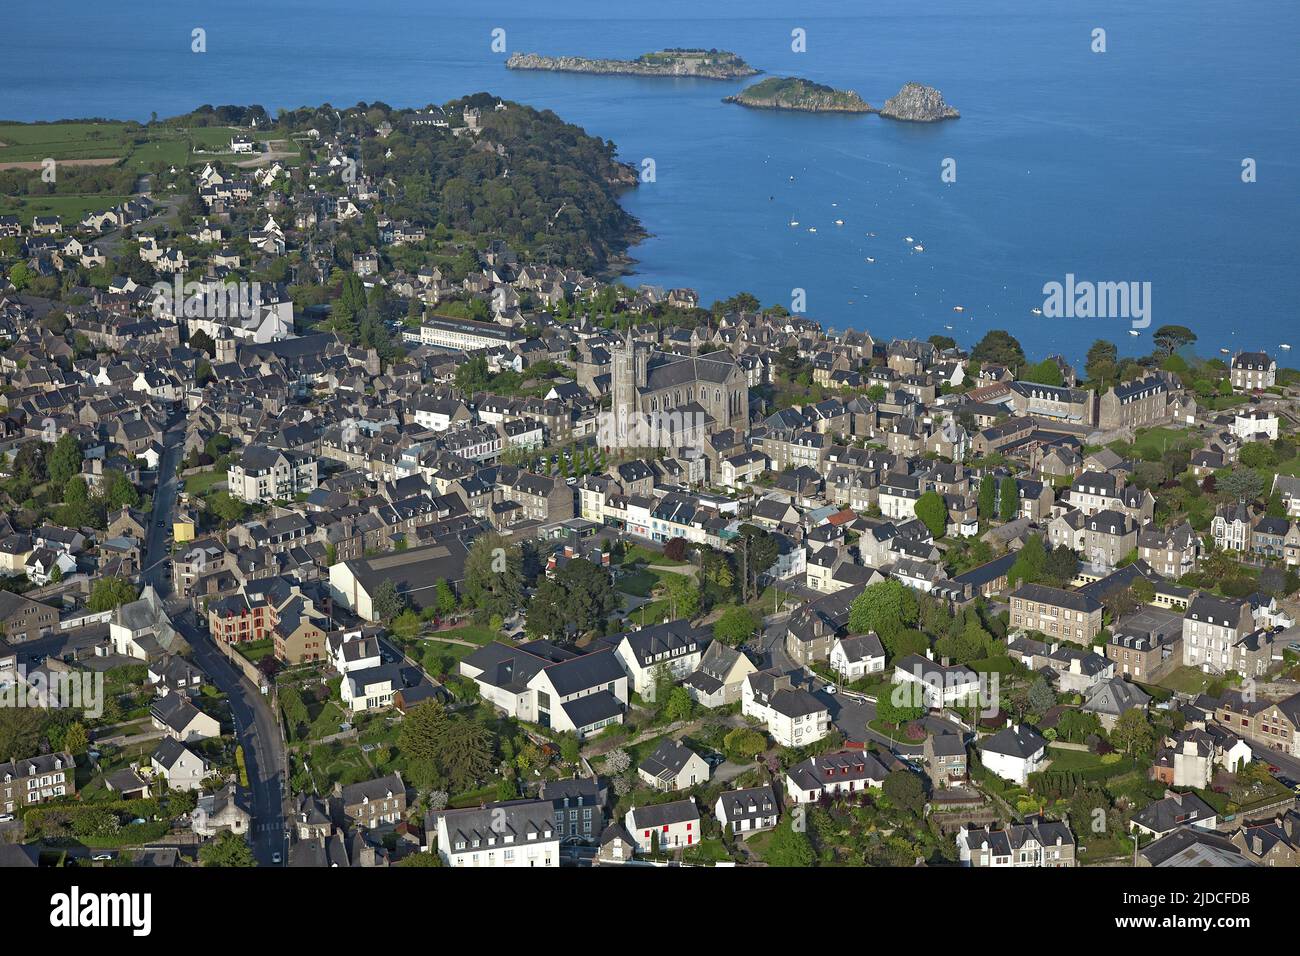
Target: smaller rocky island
<point x="706" y="64"/>
<point x="792" y="93"/>
<point x="918" y="104"/>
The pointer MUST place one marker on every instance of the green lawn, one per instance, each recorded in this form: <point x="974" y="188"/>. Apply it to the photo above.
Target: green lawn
<point x="1065" y="759"/>
<point x="638" y="583"/>
<point x="1156" y="441"/>
<point x="32" y="142"/>
<point x="470" y="632"/>
<point x="254" y="651"/>
<point x="1186" y="680"/>
<point x="72" y="209"/>
<point x="204" y="481"/>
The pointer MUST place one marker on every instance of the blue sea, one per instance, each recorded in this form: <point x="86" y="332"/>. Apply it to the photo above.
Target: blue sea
<point x="1115" y="166"/>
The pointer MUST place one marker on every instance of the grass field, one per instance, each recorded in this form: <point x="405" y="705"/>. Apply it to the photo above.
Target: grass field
<point x="203" y="482"/>
<point x="33" y="142"/>
<point x="71" y="208"/>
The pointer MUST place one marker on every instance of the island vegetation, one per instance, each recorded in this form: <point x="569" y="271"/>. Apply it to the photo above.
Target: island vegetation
<point x="793" y="93"/>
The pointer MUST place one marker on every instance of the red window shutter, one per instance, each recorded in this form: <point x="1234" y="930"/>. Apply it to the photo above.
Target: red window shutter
<point x="688" y="826"/>
<point x="665" y="828"/>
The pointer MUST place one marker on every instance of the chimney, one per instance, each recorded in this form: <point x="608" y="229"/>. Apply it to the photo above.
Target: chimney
<point x="929" y="653"/>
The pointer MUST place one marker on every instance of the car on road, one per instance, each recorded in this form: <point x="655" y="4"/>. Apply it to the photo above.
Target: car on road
<point x="6" y="818"/>
<point x="275" y="858"/>
<point x="102" y="857"/>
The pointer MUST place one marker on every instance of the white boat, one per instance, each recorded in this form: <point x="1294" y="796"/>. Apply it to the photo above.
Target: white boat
<point x="958" y="308"/>
<point x="948" y="327"/>
<point x="1224" y="351"/>
<point x="839" y="222"/>
<point x="1036" y="311"/>
<point x="907" y="238"/>
<point x="1134" y="332"/>
<point x="794" y="222"/>
<point x="918" y="248"/>
<point x="1285" y="347"/>
<point x="812" y="228"/>
<point x="870" y="259"/>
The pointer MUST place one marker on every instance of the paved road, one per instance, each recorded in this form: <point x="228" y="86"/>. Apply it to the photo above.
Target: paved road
<point x="256" y="727"/>
<point x="258" y="732"/>
<point x="157" y="543"/>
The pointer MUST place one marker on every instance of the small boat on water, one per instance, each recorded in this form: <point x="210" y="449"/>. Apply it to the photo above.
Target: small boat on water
<point x="870" y="259"/>
<point x="948" y="327"/>
<point x="1224" y="351"/>
<point x="839" y="222"/>
<point x="958" y="308"/>
<point x="794" y="222"/>
<point x="1285" y="347"/>
<point x="812" y="228"/>
<point x="1036" y="311"/>
<point x="918" y="248"/>
<point x="1134" y="332"/>
<point x="907" y="238"/>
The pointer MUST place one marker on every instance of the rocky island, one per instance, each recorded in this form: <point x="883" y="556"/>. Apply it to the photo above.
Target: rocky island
<point x="792" y="93"/>
<point x="915" y="103"/>
<point x="707" y="64"/>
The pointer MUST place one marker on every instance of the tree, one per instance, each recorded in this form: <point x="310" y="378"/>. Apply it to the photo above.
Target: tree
<point x="735" y="626"/>
<point x="1170" y="338"/>
<point x="570" y="748"/>
<point x="988" y="499"/>
<point x="1046" y="372"/>
<point x="903" y="702"/>
<point x="1009" y="499"/>
<point x="754" y="551"/>
<point x="617" y="762"/>
<point x="227" y="507"/>
<point x="111" y="593"/>
<point x="1242" y="484"/>
<point x="75" y="739"/>
<point x="788" y="846"/>
<point x="387" y="603"/>
<point x="1102" y="363"/>
<point x="1133" y="732"/>
<point x="494" y="576"/>
<point x="885" y="607"/>
<point x="446" y="597"/>
<point x="546" y="616"/>
<point x="422" y="730"/>
<point x="1041" y="698"/>
<point x="684" y="595"/>
<point x="466" y="754"/>
<point x="744" y="743"/>
<point x="20" y="732"/>
<point x="679" y="705"/>
<point x="228" y="849"/>
<point x="999" y="347"/>
<point x="1060" y="566"/>
<point x="65" y="459"/>
<point x="675" y="549"/>
<point x="932" y="511"/>
<point x="589" y="596"/>
<point x="406" y="625"/>
<point x="1030" y="563"/>
<point x="904" y="790"/>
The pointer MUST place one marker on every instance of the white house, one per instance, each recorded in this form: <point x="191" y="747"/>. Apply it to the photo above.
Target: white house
<point x="664" y="826"/>
<point x="552" y="686"/>
<point x="179" y="766"/>
<point x="848" y="771"/>
<point x="794" y="717"/>
<point x="516" y="833"/>
<point x="1014" y="752"/>
<point x="674" y="645"/>
<point x="939" y="685"/>
<point x="856" y="656"/>
<point x="747" y="811"/>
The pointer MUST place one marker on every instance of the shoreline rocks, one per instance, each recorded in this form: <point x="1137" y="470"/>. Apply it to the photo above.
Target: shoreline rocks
<point x="705" y="64"/>
<point x="916" y="103"/>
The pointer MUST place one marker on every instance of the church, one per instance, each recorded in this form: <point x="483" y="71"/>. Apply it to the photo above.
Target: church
<point x="677" y="400"/>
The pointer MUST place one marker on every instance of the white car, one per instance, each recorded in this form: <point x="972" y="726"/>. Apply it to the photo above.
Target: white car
<point x="275" y="858"/>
